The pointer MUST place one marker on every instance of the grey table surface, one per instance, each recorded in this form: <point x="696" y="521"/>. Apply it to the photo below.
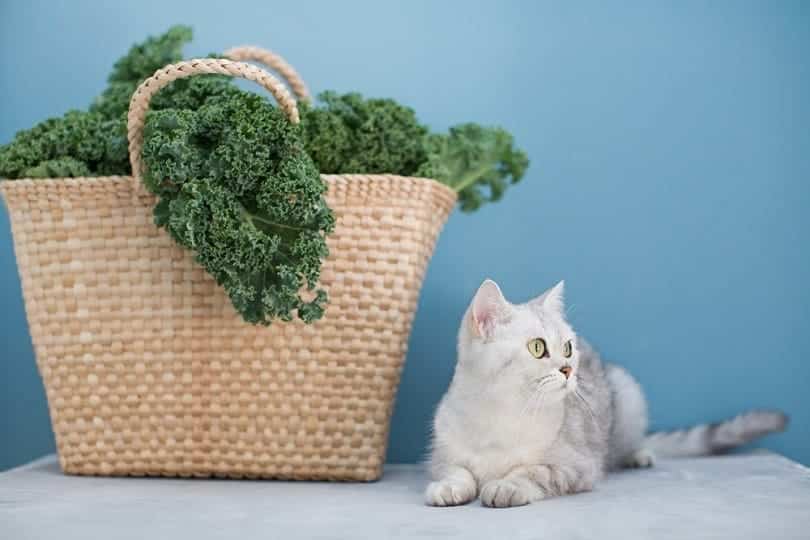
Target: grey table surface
<point x="759" y="495"/>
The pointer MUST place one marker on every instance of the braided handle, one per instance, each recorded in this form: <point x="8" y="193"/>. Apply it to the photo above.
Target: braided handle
<point x="139" y="104"/>
<point x="246" y="53"/>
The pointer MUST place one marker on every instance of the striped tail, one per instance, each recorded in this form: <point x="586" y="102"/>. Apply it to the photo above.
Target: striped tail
<point x="707" y="439"/>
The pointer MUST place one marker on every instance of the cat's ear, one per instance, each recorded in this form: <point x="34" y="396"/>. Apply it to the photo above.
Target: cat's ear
<point x="488" y="308"/>
<point x="552" y="299"/>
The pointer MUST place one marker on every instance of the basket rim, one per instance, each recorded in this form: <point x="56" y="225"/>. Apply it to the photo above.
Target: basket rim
<point x="8" y="185"/>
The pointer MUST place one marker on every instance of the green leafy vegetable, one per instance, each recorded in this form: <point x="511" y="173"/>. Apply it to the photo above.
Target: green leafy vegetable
<point x="64" y="167"/>
<point x="350" y="134"/>
<point x="142" y="60"/>
<point x="235" y="184"/>
<point x="472" y="160"/>
<point x="237" y="187"/>
<point x="94" y="144"/>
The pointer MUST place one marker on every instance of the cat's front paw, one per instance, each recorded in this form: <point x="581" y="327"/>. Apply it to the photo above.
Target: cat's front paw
<point x="449" y="493"/>
<point x="504" y="493"/>
<point x="642" y="458"/>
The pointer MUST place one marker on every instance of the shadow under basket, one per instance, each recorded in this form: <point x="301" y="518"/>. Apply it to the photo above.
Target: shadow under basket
<point x="149" y="370"/>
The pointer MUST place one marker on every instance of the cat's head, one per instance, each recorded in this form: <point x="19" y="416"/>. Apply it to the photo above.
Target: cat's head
<point x="529" y="344"/>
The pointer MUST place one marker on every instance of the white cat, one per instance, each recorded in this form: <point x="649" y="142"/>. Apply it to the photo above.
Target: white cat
<point x="532" y="412"/>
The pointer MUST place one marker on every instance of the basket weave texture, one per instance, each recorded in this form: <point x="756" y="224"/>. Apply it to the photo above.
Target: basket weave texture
<point x="149" y="370"/>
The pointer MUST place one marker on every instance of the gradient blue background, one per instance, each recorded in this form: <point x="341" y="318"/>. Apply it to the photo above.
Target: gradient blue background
<point x="669" y="186"/>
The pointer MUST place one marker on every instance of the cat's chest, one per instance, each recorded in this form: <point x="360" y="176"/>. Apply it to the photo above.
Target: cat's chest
<point x="518" y="431"/>
<point x="494" y="440"/>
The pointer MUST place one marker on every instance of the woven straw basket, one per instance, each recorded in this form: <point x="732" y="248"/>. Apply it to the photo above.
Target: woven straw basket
<point x="149" y="370"/>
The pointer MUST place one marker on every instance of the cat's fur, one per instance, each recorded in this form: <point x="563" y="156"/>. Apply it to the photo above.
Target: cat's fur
<point x="514" y="429"/>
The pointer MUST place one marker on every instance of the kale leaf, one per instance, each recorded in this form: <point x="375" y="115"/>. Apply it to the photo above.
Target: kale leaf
<point x="237" y="187"/>
<point x="235" y="184"/>
<point x="94" y="144"/>
<point x="64" y="167"/>
<point x="349" y="134"/>
<point x="477" y="162"/>
<point x="142" y="60"/>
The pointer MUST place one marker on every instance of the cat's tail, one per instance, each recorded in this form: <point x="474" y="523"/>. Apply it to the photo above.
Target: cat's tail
<point x="707" y="439"/>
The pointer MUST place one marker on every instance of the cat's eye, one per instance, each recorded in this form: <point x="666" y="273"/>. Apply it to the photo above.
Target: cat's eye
<point x="537" y="347"/>
<point x="567" y="349"/>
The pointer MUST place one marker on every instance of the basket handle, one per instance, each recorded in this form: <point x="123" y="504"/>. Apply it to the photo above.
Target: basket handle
<point x="249" y="53"/>
<point x="139" y="104"/>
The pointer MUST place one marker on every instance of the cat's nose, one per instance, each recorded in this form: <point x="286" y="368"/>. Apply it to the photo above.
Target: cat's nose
<point x="566" y="370"/>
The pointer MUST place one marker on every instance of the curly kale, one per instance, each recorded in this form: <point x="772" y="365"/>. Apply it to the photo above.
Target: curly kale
<point x="94" y="144"/>
<point x="64" y="167"/>
<point x="347" y="133"/>
<point x="350" y="134"/>
<point x="237" y="187"/>
<point x="472" y="158"/>
<point x="234" y="182"/>
<point x="142" y="60"/>
<point x="193" y="92"/>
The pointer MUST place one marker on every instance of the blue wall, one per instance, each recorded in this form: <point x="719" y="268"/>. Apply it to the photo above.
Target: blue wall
<point x="669" y="187"/>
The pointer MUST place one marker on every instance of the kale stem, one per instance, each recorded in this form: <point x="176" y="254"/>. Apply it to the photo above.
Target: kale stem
<point x="290" y="259"/>
<point x="471" y="178"/>
<point x="254" y="217"/>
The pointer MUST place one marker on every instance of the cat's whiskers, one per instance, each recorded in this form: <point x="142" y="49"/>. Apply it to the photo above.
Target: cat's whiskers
<point x="534" y="401"/>
<point x="532" y="407"/>
<point x="587" y="405"/>
<point x="531" y="397"/>
<point x="539" y="406"/>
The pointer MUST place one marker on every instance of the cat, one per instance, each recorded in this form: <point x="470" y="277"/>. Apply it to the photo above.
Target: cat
<point x="532" y="412"/>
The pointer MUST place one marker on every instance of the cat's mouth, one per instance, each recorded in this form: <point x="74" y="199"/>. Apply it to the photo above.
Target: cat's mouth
<point x="563" y="385"/>
<point x="571" y="383"/>
<point x="554" y="385"/>
<point x="567" y="385"/>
